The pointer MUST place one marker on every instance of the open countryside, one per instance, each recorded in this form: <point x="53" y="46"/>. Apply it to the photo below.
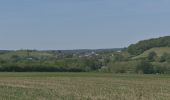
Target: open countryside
<point x="84" y="50"/>
<point x="103" y="74"/>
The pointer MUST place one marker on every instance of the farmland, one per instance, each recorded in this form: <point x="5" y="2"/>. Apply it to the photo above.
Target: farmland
<point x="83" y="86"/>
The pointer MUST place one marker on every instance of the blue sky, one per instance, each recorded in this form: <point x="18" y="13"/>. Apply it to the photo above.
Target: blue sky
<point x="81" y="24"/>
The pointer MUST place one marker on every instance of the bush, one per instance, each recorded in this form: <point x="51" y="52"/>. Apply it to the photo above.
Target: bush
<point x="159" y="69"/>
<point x="145" y="67"/>
<point x="152" y="56"/>
<point x="165" y="57"/>
<point x="121" y="67"/>
<point x="162" y="68"/>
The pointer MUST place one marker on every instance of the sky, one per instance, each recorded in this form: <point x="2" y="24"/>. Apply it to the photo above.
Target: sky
<point x="81" y="24"/>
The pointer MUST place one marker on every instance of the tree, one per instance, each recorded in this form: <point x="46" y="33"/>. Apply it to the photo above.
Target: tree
<point x="151" y="56"/>
<point x="165" y="57"/>
<point x="145" y="67"/>
<point x="118" y="57"/>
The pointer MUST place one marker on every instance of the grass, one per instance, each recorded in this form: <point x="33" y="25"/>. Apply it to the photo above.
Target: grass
<point x="159" y="51"/>
<point x="83" y="86"/>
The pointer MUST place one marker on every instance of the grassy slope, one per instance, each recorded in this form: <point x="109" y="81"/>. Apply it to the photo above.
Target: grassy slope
<point x="159" y="51"/>
<point x="83" y="86"/>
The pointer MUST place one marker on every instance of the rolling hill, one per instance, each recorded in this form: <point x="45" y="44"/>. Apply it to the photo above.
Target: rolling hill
<point x="144" y="45"/>
<point x="158" y="50"/>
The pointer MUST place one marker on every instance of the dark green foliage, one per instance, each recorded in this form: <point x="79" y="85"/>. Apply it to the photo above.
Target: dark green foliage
<point x="140" y="47"/>
<point x="121" y="67"/>
<point x="118" y="57"/>
<point x="18" y="64"/>
<point x="160" y="69"/>
<point x="152" y="56"/>
<point x="165" y="57"/>
<point x="145" y="67"/>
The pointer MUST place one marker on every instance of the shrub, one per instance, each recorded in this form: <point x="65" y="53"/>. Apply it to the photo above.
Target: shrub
<point x="152" y="56"/>
<point x="145" y="67"/>
<point x="121" y="67"/>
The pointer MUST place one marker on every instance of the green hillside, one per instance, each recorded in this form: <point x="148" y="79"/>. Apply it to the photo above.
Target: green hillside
<point x="144" y="45"/>
<point x="159" y="51"/>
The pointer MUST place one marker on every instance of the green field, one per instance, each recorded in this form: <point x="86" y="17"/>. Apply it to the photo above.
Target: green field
<point x="83" y="86"/>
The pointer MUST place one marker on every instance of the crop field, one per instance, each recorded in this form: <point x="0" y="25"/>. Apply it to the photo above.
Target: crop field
<point x="83" y="86"/>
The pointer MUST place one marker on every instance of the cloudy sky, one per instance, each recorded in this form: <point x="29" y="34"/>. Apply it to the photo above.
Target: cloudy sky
<point x="81" y="24"/>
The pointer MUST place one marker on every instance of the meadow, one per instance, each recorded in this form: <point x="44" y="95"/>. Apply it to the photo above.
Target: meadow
<point x="83" y="86"/>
